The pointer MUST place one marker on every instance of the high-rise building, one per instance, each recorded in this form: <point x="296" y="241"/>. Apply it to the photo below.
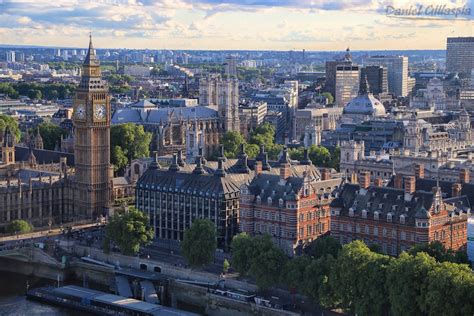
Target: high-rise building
<point x="347" y="83"/>
<point x="331" y="66"/>
<point x="376" y="77"/>
<point x="230" y="66"/>
<point x="11" y="56"/>
<point x="460" y="55"/>
<point x="92" y="139"/>
<point x="397" y="72"/>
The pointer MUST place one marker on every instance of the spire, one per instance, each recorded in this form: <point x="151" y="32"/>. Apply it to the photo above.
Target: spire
<point x="285" y="158"/>
<point x="243" y="160"/>
<point x="91" y="58"/>
<point x="364" y="87"/>
<point x="155" y="164"/>
<point x="222" y="152"/>
<point x="174" y="165"/>
<point x="180" y="158"/>
<point x="198" y="169"/>
<point x="306" y="160"/>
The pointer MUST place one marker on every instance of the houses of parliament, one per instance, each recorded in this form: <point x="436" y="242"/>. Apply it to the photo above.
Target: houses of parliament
<point x="50" y="188"/>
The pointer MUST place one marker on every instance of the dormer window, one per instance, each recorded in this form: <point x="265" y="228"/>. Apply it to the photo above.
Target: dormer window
<point x="376" y="215"/>
<point x="259" y="199"/>
<point x="394" y="207"/>
<point x="385" y="195"/>
<point x="351" y="212"/>
<point x="269" y="201"/>
<point x="380" y="205"/>
<point x="399" y="197"/>
<point x="364" y="213"/>
<point x="402" y="219"/>
<point x="280" y="202"/>
<point x="389" y="217"/>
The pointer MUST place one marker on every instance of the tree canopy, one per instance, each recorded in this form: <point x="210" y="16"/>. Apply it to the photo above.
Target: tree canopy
<point x="199" y="243"/>
<point x="51" y="135"/>
<point x="129" y="231"/>
<point x="319" y="155"/>
<point x="12" y="124"/>
<point x="19" y="226"/>
<point x="128" y="141"/>
<point x="231" y="142"/>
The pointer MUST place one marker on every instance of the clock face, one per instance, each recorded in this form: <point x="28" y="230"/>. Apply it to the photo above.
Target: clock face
<point x="80" y="111"/>
<point x="99" y="111"/>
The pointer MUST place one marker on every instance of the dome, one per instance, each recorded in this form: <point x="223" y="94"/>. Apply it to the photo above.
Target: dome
<point x="365" y="104"/>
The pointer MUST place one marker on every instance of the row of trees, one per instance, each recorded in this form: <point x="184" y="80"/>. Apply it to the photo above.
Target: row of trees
<point x="360" y="281"/>
<point x="319" y="155"/>
<point x="36" y="91"/>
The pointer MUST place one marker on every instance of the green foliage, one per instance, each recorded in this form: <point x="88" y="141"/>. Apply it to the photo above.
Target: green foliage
<point x="358" y="280"/>
<point x="12" y="124"/>
<point x="293" y="274"/>
<point x="319" y="155"/>
<point x="329" y="96"/>
<point x="316" y="281"/>
<point x="322" y="246"/>
<point x="252" y="150"/>
<point x="129" y="231"/>
<point x="225" y="266"/>
<point x="199" y="243"/>
<point x="19" y="226"/>
<point x="51" y="135"/>
<point x="34" y="90"/>
<point x="232" y="141"/>
<point x="258" y="257"/>
<point x="406" y="283"/>
<point x="106" y="245"/>
<point x="6" y="88"/>
<point x="133" y="141"/>
<point x="437" y="250"/>
<point x="265" y="135"/>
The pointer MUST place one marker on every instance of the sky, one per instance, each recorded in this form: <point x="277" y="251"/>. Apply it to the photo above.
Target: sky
<point x="231" y="24"/>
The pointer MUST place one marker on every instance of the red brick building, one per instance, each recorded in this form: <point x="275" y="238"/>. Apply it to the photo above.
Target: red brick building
<point x="400" y="215"/>
<point x="289" y="202"/>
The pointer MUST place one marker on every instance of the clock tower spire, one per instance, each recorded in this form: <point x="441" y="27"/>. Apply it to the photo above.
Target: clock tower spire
<point x="92" y="140"/>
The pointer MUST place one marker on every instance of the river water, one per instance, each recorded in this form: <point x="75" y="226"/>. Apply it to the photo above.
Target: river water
<point x="14" y="303"/>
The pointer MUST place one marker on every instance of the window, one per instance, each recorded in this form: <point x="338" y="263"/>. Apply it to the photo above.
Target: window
<point x="376" y="215"/>
<point x="384" y="232"/>
<point x="389" y="217"/>
<point x="367" y="230"/>
<point x="351" y="212"/>
<point x="403" y="235"/>
<point x="376" y="230"/>
<point x="364" y="213"/>
<point x="402" y="219"/>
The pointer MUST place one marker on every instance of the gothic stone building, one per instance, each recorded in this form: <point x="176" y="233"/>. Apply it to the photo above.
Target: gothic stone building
<point x="37" y="185"/>
<point x="399" y="217"/>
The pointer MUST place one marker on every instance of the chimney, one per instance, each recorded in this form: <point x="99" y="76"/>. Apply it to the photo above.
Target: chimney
<point x="285" y="171"/>
<point x="398" y="181"/>
<point x="354" y="177"/>
<point x="464" y="176"/>
<point x="258" y="167"/>
<point x="364" y="179"/>
<point x="410" y="185"/>
<point x="420" y="171"/>
<point x="456" y="189"/>
<point x="325" y="174"/>
<point x="378" y="182"/>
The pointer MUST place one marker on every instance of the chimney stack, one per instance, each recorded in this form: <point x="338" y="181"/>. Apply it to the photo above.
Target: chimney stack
<point x="378" y="182"/>
<point x="285" y="171"/>
<point x="325" y="174"/>
<point x="398" y="181"/>
<point x="456" y="189"/>
<point x="420" y="171"/>
<point x="258" y="167"/>
<point x="410" y="185"/>
<point x="364" y="179"/>
<point x="464" y="176"/>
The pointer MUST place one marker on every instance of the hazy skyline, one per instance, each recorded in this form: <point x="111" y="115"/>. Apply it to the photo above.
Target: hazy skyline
<point x="227" y="24"/>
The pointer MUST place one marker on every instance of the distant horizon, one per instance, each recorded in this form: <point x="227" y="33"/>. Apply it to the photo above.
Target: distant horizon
<point x="230" y="25"/>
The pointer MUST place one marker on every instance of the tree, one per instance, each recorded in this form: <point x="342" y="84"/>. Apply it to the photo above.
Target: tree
<point x="51" y="135"/>
<point x="199" y="243"/>
<point x="450" y="290"/>
<point x="19" y="226"/>
<point x="293" y="274"/>
<point x="319" y="155"/>
<point x="406" y="283"/>
<point x="232" y="141"/>
<point x="252" y="150"/>
<point x="240" y="248"/>
<point x="329" y="96"/>
<point x="316" y="281"/>
<point x="119" y="158"/>
<point x="129" y="231"/>
<point x="267" y="266"/>
<point x="34" y="94"/>
<point x="12" y="124"/>
<point x="359" y="279"/>
<point x="437" y="250"/>
<point x="225" y="266"/>
<point x="133" y="141"/>
<point x="324" y="245"/>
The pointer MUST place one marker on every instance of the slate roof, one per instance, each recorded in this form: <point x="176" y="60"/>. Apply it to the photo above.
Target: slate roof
<point x="157" y="115"/>
<point x="43" y="155"/>
<point x="384" y="200"/>
<point x="205" y="185"/>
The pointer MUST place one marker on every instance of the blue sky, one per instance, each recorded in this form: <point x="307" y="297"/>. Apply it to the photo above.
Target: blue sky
<point x="227" y="24"/>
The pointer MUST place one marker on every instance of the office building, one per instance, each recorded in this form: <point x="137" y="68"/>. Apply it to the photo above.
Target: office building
<point x="331" y="65"/>
<point x="397" y="72"/>
<point x="11" y="56"/>
<point x="460" y="55"/>
<point x="376" y="77"/>
<point x="230" y="66"/>
<point x="347" y="83"/>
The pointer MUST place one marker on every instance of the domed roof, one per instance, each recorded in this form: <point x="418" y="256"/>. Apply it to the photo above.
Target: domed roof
<point x="365" y="104"/>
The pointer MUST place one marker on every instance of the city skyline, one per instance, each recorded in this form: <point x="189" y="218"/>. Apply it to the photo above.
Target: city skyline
<point x="228" y="25"/>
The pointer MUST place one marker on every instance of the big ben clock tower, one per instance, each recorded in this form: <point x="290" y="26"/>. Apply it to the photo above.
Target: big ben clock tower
<point x="92" y="141"/>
